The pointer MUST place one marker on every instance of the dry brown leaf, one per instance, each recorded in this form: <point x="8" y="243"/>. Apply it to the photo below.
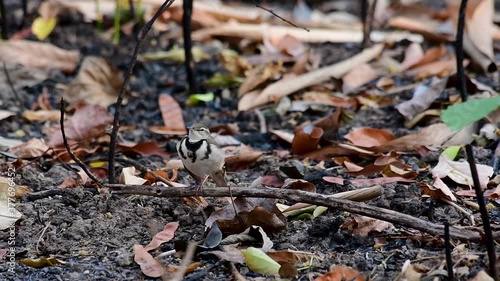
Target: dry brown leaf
<point x="171" y="113"/>
<point x="436" y="135"/>
<point x="442" y="68"/>
<point x="80" y="127"/>
<point x="285" y="87"/>
<point x="438" y="190"/>
<point x="146" y="148"/>
<point x="379" y="181"/>
<point x="30" y="149"/>
<point x="7" y="186"/>
<point x="423" y="96"/>
<point x="431" y="55"/>
<point x="369" y="137"/>
<point x="413" y="55"/>
<point x="286" y="44"/>
<point x="362" y="226"/>
<point x="260" y="75"/>
<point x="42" y="115"/>
<point x="98" y="82"/>
<point x="149" y="265"/>
<point x="37" y="54"/>
<point x="357" y="77"/>
<point x="336" y="180"/>
<point x="239" y="157"/>
<point x="341" y="273"/>
<point x="163" y="236"/>
<point x="306" y="139"/>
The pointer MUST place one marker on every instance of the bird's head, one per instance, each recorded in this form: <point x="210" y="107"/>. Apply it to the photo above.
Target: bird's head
<point x="198" y="132"/>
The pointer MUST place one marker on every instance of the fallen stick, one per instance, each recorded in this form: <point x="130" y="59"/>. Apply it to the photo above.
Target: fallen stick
<point x="394" y="217"/>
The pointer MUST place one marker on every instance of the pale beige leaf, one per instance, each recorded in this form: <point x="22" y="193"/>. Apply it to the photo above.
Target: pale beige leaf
<point x="413" y="54"/>
<point x="357" y="77"/>
<point x="4" y="114"/>
<point x="98" y="82"/>
<point x="460" y="172"/>
<point x="8" y="215"/>
<point x="480" y="28"/>
<point x="285" y="87"/>
<point x="30" y="149"/>
<point x="42" y="115"/>
<point x="37" y="54"/>
<point x="149" y="265"/>
<point x="423" y="96"/>
<point x="128" y="176"/>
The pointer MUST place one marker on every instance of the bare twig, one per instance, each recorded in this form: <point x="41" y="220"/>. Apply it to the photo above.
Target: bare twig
<point x="41" y="236"/>
<point x="186" y="260"/>
<point x="368" y="21"/>
<point x="276" y="15"/>
<point x="187" y="6"/>
<point x="3" y="21"/>
<point x="490" y="243"/>
<point x="11" y="85"/>
<point x="131" y="9"/>
<point x="116" y="121"/>
<point x="304" y="197"/>
<point x="68" y="148"/>
<point x="447" y="250"/>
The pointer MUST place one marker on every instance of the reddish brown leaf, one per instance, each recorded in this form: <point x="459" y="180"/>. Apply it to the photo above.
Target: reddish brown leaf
<point x="438" y="190"/>
<point x="30" y="149"/>
<point x="147" y="148"/>
<point x="306" y="139"/>
<point x="273" y="181"/>
<point x="369" y="137"/>
<point x="163" y="236"/>
<point x="362" y="226"/>
<point x="335" y="180"/>
<point x="341" y="273"/>
<point x="80" y="127"/>
<point x="379" y="181"/>
<point x="149" y="265"/>
<point x="171" y="113"/>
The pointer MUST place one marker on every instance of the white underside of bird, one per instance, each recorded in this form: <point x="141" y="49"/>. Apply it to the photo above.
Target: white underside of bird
<point x="195" y="158"/>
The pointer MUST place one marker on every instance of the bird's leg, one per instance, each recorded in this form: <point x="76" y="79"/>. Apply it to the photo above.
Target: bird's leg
<point x="201" y="185"/>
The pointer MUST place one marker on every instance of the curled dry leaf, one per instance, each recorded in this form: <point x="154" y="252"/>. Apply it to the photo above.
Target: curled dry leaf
<point x="369" y="137"/>
<point x="171" y="114"/>
<point x="30" y="149"/>
<point x="98" y="82"/>
<point x="357" y="77"/>
<point x="460" y="172"/>
<point x="163" y="236"/>
<point x="240" y="157"/>
<point x="286" y="44"/>
<point x="285" y="87"/>
<point x="362" y="226"/>
<point x="146" y="148"/>
<point x="413" y="54"/>
<point x="128" y="176"/>
<point x="149" y="265"/>
<point x="42" y="115"/>
<point x="80" y="127"/>
<point x="306" y="139"/>
<point x="479" y="26"/>
<point x="438" y="190"/>
<point x="37" y="54"/>
<point x="259" y="75"/>
<point x="423" y="96"/>
<point x="341" y="272"/>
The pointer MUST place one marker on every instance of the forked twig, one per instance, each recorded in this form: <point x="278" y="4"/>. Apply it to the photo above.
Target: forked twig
<point x="276" y="15"/>
<point x="116" y="121"/>
<point x="70" y="152"/>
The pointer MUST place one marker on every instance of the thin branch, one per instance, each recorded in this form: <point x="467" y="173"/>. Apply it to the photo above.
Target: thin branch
<point x="3" y="21"/>
<point x="368" y="22"/>
<point x="131" y="9"/>
<point x="11" y="85"/>
<point x="187" y="7"/>
<point x="68" y="148"/>
<point x="186" y="260"/>
<point x="304" y="197"/>
<point x="488" y="236"/>
<point x="116" y="121"/>
<point x="276" y="15"/>
<point x="447" y="251"/>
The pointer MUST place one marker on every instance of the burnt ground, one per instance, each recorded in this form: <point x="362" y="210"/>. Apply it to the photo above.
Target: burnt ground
<point x="94" y="232"/>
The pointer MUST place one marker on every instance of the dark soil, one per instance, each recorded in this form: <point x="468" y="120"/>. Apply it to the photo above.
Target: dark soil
<point x="94" y="232"/>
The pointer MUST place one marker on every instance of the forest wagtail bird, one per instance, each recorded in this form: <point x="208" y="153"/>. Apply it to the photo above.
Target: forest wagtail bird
<point x="202" y="156"/>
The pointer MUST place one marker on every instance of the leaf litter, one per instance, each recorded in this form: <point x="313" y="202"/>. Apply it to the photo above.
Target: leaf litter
<point x="364" y="144"/>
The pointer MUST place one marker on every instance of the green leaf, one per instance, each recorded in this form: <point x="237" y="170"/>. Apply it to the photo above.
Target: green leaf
<point x="176" y="54"/>
<point x="459" y="116"/>
<point x="197" y="98"/>
<point x="219" y="80"/>
<point x="452" y="151"/>
<point x="42" y="27"/>
<point x="258" y="261"/>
